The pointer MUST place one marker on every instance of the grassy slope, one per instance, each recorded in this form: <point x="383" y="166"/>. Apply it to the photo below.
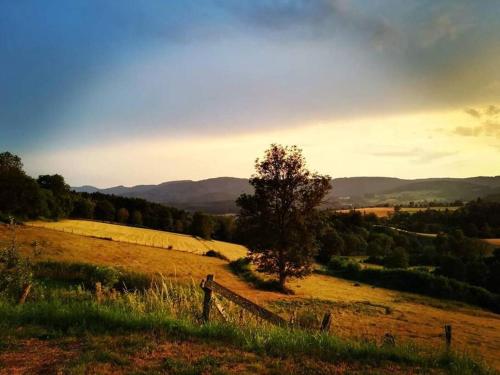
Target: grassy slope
<point x="359" y="311"/>
<point x="143" y="236"/>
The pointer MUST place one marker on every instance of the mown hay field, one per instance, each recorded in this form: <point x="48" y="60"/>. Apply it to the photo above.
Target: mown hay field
<point x="388" y="211"/>
<point x="142" y="236"/>
<point x="492" y="241"/>
<point x="359" y="311"/>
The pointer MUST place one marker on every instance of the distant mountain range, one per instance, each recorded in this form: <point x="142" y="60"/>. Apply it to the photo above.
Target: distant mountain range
<point x="218" y="195"/>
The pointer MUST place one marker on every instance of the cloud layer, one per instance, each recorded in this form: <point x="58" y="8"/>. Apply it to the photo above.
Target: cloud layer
<point x="97" y="73"/>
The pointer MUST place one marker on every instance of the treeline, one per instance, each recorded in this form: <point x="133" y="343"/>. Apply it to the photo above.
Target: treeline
<point x="479" y="218"/>
<point x="49" y="197"/>
<point x="453" y="254"/>
<point x="416" y="281"/>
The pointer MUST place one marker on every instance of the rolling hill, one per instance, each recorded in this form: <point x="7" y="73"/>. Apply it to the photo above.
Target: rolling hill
<point x="218" y="195"/>
<point x="360" y="311"/>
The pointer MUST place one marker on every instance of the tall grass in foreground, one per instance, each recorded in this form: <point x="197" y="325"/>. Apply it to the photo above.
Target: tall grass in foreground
<point x="174" y="310"/>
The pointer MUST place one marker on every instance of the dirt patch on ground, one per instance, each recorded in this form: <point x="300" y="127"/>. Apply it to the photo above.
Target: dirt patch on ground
<point x="147" y="354"/>
<point x="34" y="356"/>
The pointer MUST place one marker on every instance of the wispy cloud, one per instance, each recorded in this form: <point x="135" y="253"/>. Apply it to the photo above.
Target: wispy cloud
<point x="487" y="123"/>
<point x="414" y="155"/>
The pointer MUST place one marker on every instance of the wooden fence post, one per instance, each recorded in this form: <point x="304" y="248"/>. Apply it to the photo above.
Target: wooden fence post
<point x="207" y="299"/>
<point x="24" y="294"/>
<point x="98" y="292"/>
<point x="447" y="335"/>
<point x="326" y="323"/>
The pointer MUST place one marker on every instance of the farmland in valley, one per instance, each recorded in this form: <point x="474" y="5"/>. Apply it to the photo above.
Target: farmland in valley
<point x="141" y="236"/>
<point x="388" y="211"/>
<point x="359" y="311"/>
<point x="493" y="241"/>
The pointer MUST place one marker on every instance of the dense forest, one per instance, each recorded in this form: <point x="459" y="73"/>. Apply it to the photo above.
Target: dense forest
<point x="49" y="197"/>
<point x="479" y="218"/>
<point x="452" y="254"/>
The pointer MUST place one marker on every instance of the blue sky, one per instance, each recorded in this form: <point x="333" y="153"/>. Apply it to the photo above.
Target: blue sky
<point x="113" y="86"/>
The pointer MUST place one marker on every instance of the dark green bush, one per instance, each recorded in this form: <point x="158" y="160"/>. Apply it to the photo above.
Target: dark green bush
<point x="241" y="267"/>
<point x="416" y="281"/>
<point x="216" y="254"/>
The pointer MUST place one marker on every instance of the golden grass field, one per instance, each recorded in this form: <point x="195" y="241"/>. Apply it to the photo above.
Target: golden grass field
<point x="493" y="241"/>
<point x="358" y="311"/>
<point x="141" y="236"/>
<point x="378" y="211"/>
<point x="388" y="211"/>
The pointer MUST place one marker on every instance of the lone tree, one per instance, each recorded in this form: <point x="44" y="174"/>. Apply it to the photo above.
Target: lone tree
<point x="276" y="221"/>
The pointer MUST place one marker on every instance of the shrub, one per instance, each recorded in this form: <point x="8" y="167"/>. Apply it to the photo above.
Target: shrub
<point x="416" y="281"/>
<point x="344" y="264"/>
<point x="398" y="258"/>
<point x="241" y="267"/>
<point x="16" y="272"/>
<point x="216" y="254"/>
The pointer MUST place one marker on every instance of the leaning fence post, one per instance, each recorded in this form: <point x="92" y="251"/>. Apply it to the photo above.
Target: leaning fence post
<point x="326" y="323"/>
<point x="207" y="299"/>
<point x="24" y="294"/>
<point x="447" y="335"/>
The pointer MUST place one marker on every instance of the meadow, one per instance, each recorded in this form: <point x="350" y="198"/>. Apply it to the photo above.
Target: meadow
<point x="158" y="331"/>
<point x="360" y="312"/>
<point x="388" y="211"/>
<point x="143" y="236"/>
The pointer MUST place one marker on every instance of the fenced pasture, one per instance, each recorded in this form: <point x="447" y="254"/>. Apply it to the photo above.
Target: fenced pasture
<point x="143" y="236"/>
<point x="171" y="313"/>
<point x="359" y="311"/>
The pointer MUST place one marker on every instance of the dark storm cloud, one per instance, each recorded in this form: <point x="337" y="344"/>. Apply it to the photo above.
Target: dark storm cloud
<point x="84" y="70"/>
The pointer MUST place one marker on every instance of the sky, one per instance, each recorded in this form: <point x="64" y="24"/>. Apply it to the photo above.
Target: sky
<point x="126" y="92"/>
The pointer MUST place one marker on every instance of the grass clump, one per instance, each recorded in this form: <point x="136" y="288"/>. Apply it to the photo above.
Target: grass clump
<point x="241" y="267"/>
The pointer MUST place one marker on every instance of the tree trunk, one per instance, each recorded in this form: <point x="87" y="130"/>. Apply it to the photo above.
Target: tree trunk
<point x="282" y="269"/>
<point x="282" y="279"/>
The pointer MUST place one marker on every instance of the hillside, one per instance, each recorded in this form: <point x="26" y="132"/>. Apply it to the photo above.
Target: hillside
<point x="217" y="195"/>
<point x="142" y="236"/>
<point x="372" y="311"/>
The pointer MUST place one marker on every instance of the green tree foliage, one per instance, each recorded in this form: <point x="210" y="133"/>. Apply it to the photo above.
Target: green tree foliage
<point x="398" y="258"/>
<point x="379" y="245"/>
<point x="330" y="244"/>
<point x="225" y="228"/>
<point x="122" y="215"/>
<point x="83" y="208"/>
<point x="277" y="220"/>
<point x="10" y="162"/>
<point x="136" y="218"/>
<point x="202" y="226"/>
<point x="20" y="195"/>
<point x="479" y="218"/>
<point x="104" y="210"/>
<point x="453" y="267"/>
<point x="60" y="199"/>
<point x="354" y="244"/>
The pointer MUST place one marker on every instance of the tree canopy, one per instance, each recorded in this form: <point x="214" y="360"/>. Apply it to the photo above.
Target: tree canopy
<point x="276" y="222"/>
